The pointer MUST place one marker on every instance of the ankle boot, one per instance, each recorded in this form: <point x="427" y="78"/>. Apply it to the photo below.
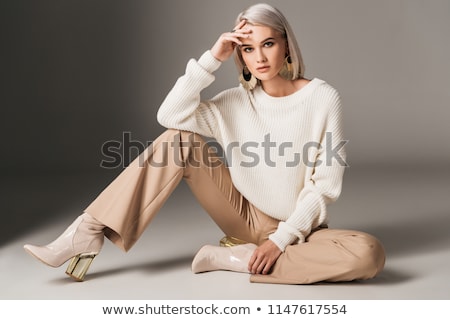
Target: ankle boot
<point x="81" y="241"/>
<point x="235" y="258"/>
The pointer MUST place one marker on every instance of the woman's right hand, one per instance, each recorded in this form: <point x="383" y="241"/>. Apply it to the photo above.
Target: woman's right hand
<point x="224" y="46"/>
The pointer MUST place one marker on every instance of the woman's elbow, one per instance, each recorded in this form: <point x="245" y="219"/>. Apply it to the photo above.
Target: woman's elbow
<point x="162" y="118"/>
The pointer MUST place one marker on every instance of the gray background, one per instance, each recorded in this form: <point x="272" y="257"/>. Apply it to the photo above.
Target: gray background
<point x="79" y="73"/>
<point x="75" y="74"/>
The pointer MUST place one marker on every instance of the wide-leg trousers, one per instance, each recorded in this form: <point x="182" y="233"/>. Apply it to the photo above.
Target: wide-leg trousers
<point x="130" y="202"/>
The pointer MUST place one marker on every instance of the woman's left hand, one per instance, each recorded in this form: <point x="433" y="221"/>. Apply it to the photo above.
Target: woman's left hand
<point x="263" y="258"/>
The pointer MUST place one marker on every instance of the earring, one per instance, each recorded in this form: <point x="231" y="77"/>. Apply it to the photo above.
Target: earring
<point x="287" y="71"/>
<point x="247" y="80"/>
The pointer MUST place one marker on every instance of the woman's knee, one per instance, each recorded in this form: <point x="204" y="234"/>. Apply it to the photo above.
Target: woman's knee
<point x="370" y="256"/>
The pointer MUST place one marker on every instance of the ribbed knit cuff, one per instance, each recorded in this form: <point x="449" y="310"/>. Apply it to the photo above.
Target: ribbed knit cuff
<point x="286" y="235"/>
<point x="208" y="62"/>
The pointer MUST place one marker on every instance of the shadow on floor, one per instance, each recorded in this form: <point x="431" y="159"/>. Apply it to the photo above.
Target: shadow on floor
<point x="151" y="267"/>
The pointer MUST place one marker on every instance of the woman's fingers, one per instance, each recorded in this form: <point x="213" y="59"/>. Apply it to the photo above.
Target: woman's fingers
<point x="263" y="258"/>
<point x="239" y="25"/>
<point x="254" y="264"/>
<point x="251" y="262"/>
<point x="260" y="266"/>
<point x="257" y="263"/>
<point x="239" y="31"/>
<point x="225" y="45"/>
<point x="235" y="37"/>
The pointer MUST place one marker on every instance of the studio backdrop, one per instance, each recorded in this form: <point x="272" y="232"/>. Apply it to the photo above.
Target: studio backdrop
<point x="76" y="74"/>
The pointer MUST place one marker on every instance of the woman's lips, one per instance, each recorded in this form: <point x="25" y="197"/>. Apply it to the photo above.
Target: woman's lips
<point x="263" y="69"/>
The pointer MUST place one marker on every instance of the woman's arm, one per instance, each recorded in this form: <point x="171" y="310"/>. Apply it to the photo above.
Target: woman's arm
<point x="183" y="108"/>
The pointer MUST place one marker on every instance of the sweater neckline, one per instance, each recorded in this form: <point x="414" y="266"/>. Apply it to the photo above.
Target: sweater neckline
<point x="262" y="97"/>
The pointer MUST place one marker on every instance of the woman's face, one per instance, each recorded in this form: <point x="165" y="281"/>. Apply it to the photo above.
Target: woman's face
<point x="263" y="52"/>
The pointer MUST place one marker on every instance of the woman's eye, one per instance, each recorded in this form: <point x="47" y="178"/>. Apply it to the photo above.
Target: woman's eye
<point x="247" y="50"/>
<point x="268" y="44"/>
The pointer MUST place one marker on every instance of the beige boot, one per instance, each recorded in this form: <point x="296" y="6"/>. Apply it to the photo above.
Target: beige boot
<point x="235" y="258"/>
<point x="81" y="241"/>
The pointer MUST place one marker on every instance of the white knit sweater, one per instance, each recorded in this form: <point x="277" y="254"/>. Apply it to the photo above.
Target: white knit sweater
<point x="272" y="143"/>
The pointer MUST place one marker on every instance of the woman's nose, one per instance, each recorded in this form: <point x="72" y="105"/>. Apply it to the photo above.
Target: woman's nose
<point x="260" y="56"/>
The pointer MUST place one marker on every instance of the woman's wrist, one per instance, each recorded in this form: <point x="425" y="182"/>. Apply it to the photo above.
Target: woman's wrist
<point x="209" y="62"/>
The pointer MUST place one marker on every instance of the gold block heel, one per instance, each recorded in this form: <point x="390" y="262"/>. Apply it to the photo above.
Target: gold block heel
<point x="79" y="265"/>
<point x="230" y="241"/>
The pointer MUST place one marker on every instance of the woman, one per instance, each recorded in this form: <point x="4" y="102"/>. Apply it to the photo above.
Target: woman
<point x="285" y="160"/>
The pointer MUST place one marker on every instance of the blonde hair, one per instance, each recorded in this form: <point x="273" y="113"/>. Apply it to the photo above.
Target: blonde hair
<point x="266" y="15"/>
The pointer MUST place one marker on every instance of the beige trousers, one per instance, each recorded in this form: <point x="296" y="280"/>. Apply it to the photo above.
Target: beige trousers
<point x="132" y="200"/>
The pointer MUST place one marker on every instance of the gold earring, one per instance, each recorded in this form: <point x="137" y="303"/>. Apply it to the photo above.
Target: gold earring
<point x="247" y="79"/>
<point x="287" y="71"/>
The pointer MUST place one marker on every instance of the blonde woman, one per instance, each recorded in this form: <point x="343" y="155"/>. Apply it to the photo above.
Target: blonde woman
<point x="285" y="159"/>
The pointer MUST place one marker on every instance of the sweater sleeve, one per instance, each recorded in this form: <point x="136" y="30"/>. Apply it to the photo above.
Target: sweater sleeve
<point x="324" y="185"/>
<point x="182" y="108"/>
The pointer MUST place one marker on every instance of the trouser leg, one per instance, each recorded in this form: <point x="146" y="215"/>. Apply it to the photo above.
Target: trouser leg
<point x="328" y="255"/>
<point x="132" y="200"/>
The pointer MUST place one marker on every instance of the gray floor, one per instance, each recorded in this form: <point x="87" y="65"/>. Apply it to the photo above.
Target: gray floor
<point x="407" y="209"/>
